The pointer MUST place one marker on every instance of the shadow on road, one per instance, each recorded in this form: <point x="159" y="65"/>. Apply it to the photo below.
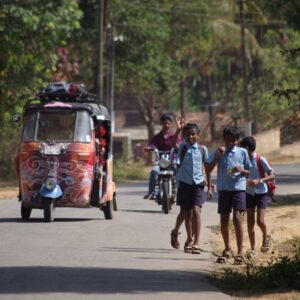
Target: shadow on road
<point x="143" y="211"/>
<point x="287" y="179"/>
<point x="41" y="220"/>
<point x="35" y="279"/>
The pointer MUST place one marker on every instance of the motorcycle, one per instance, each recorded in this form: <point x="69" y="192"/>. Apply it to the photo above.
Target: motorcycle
<point x="165" y="185"/>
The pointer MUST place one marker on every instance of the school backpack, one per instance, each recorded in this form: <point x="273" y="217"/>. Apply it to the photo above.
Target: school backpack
<point x="270" y="183"/>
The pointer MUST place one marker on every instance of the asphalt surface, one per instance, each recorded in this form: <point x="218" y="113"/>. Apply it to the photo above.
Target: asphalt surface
<point x="83" y="255"/>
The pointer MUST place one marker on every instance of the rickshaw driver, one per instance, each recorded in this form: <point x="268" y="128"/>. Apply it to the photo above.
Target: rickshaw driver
<point x="162" y="141"/>
<point x="65" y="127"/>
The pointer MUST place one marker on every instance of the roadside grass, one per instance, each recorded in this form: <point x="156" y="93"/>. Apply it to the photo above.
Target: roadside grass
<point x="280" y="273"/>
<point x="126" y="170"/>
<point x="8" y="184"/>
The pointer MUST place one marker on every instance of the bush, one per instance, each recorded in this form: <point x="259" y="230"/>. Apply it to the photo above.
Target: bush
<point x="124" y="170"/>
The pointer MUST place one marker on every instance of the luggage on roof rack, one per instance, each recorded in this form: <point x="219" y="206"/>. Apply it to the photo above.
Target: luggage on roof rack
<point x="64" y="91"/>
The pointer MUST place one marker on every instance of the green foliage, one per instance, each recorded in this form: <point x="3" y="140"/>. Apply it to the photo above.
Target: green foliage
<point x="143" y="62"/>
<point x="280" y="273"/>
<point x="29" y="34"/>
<point x="124" y="171"/>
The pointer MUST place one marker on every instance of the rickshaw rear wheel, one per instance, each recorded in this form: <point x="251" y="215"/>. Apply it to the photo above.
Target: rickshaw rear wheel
<point x="115" y="206"/>
<point x="25" y="212"/>
<point x="108" y="210"/>
<point x="48" y="210"/>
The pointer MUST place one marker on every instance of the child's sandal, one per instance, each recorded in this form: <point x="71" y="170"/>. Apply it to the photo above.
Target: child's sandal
<point x="196" y="249"/>
<point x="188" y="247"/>
<point x="250" y="254"/>
<point x="266" y="244"/>
<point x="226" y="255"/>
<point x="174" y="239"/>
<point x="239" y="259"/>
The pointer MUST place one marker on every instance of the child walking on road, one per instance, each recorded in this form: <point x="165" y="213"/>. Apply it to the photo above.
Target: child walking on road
<point x="233" y="167"/>
<point x="257" y="195"/>
<point x="191" y="181"/>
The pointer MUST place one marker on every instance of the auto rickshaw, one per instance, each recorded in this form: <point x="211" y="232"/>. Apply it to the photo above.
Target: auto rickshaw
<point x="65" y="157"/>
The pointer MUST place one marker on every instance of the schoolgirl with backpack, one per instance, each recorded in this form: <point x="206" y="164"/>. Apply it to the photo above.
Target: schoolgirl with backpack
<point x="260" y="189"/>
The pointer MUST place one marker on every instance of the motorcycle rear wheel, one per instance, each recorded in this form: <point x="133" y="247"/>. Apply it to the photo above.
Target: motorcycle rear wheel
<point x="165" y="200"/>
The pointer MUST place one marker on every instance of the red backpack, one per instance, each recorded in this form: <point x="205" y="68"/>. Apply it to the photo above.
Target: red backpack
<point x="270" y="183"/>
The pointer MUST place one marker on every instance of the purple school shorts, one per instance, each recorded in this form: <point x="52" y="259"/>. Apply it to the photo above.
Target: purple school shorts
<point x="257" y="200"/>
<point x="229" y="200"/>
<point x="190" y="195"/>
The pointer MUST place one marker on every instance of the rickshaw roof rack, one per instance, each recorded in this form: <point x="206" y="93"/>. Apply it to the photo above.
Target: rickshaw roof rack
<point x="67" y="92"/>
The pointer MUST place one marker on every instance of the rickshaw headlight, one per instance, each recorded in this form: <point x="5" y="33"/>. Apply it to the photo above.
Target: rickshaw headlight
<point x="50" y="184"/>
<point x="164" y="163"/>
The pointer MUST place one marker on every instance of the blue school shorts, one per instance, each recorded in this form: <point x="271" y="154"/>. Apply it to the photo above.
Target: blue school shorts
<point x="257" y="200"/>
<point x="189" y="195"/>
<point x="229" y="200"/>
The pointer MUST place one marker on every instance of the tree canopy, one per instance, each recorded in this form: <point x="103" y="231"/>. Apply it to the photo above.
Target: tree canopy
<point x="165" y="51"/>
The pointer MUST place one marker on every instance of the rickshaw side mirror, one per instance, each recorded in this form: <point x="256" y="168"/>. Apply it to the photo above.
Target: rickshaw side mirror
<point x="16" y="118"/>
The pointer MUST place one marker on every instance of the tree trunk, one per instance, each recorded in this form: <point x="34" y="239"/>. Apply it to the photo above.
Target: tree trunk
<point x="147" y="109"/>
<point x="182" y="98"/>
<point x="211" y="111"/>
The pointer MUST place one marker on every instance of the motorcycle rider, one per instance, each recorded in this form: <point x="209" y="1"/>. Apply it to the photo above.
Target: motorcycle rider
<point x="162" y="141"/>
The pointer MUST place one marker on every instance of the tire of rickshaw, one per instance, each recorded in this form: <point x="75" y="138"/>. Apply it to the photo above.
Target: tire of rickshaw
<point x="49" y="210"/>
<point x="25" y="212"/>
<point x="115" y="206"/>
<point x="165" y="202"/>
<point x="108" y="210"/>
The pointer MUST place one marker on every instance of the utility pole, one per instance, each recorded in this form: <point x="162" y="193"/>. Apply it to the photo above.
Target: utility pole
<point x="100" y="52"/>
<point x="247" y="112"/>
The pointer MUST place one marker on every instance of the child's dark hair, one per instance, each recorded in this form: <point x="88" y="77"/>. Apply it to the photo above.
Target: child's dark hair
<point x="165" y="117"/>
<point x="231" y="131"/>
<point x="248" y="142"/>
<point x="189" y="126"/>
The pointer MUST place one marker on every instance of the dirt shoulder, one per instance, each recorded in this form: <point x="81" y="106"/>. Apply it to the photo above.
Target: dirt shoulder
<point x="282" y="219"/>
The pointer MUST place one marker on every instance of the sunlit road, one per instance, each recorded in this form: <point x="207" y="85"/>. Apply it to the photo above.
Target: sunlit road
<point x="287" y="178"/>
<point x="83" y="255"/>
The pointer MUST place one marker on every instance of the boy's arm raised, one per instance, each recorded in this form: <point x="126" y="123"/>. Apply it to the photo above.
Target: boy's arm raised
<point x="180" y="125"/>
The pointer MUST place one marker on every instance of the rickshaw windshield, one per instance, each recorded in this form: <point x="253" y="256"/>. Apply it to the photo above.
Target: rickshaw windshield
<point x="58" y="126"/>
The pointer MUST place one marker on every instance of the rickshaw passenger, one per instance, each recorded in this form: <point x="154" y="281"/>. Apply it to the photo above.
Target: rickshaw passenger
<point x="163" y="142"/>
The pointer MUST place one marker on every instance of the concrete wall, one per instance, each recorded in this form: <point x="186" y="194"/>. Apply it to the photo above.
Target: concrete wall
<point x="267" y="141"/>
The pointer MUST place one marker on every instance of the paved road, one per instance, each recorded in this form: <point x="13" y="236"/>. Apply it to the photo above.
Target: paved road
<point x="287" y="178"/>
<point x="83" y="255"/>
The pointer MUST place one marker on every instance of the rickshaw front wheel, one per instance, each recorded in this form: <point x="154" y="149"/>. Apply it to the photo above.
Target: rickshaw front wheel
<point x="108" y="210"/>
<point x="25" y="212"/>
<point x="49" y="210"/>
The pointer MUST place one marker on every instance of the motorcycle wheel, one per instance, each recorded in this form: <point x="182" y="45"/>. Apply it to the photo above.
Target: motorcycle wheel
<point x="165" y="202"/>
<point x="108" y="210"/>
<point x="115" y="206"/>
<point x="49" y="210"/>
<point x="25" y="212"/>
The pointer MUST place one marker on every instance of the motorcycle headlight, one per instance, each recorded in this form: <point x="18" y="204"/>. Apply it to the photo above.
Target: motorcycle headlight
<point x="164" y="163"/>
<point x="50" y="184"/>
